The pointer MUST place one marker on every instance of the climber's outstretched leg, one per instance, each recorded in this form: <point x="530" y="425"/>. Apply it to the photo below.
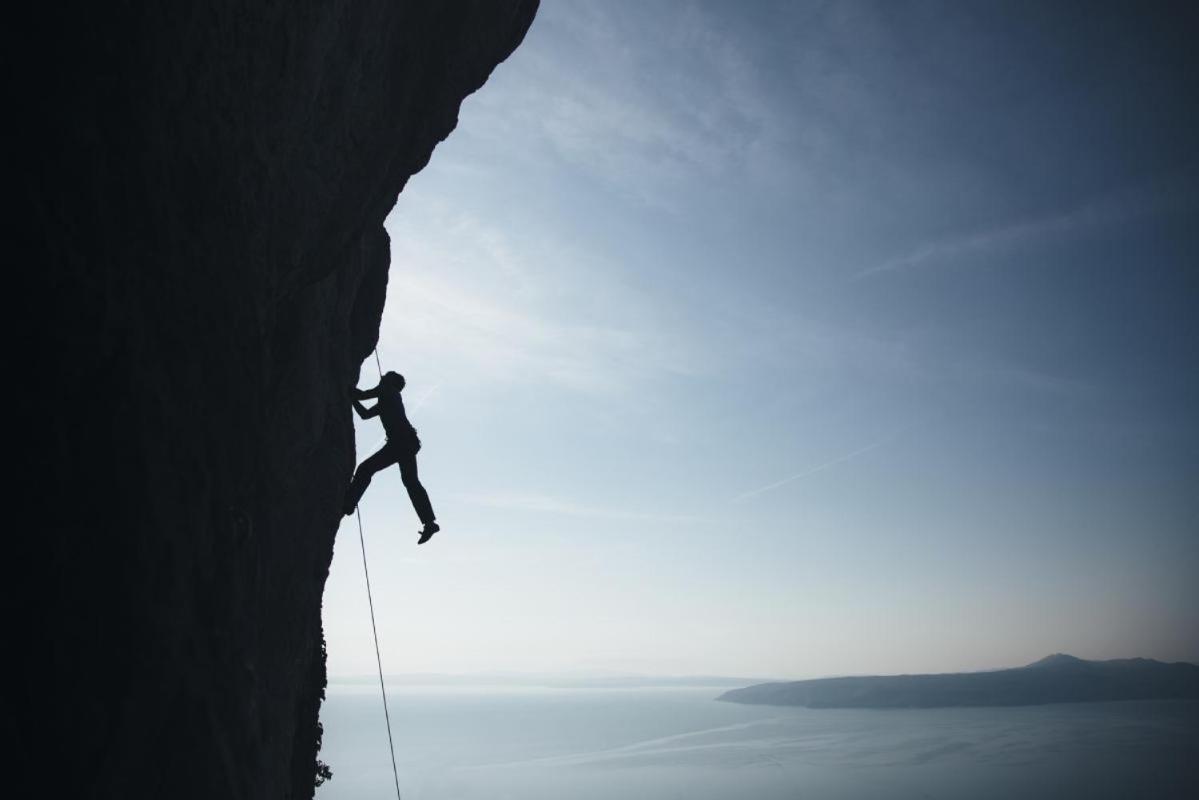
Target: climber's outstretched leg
<point x="362" y="476"/>
<point x="418" y="495"/>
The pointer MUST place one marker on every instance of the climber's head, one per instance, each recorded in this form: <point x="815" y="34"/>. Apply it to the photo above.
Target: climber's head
<point x="393" y="381"/>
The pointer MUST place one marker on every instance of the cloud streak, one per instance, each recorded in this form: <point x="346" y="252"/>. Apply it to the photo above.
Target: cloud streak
<point x="1103" y="212"/>
<point x="752" y="493"/>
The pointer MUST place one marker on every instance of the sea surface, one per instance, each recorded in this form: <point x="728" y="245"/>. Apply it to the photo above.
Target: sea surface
<point x="653" y="744"/>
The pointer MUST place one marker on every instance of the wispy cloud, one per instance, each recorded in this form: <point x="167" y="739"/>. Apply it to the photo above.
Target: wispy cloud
<point x="475" y="335"/>
<point x="1092" y="215"/>
<point x="547" y="504"/>
<point x="702" y="113"/>
<point x="752" y="493"/>
<point x="481" y="303"/>
<point x="424" y="398"/>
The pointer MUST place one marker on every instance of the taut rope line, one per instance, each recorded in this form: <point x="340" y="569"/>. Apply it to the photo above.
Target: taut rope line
<point x="391" y="748"/>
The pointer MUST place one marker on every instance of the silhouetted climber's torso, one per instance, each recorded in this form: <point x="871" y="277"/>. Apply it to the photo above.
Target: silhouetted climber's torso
<point x="395" y="420"/>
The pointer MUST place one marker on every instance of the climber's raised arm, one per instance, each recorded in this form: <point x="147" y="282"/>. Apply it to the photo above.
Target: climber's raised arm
<point x="364" y="394"/>
<point x="364" y="412"/>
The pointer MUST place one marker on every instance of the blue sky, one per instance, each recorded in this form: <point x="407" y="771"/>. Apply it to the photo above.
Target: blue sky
<point x="796" y="339"/>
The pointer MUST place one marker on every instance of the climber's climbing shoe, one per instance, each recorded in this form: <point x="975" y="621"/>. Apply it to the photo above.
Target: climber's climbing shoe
<point x="428" y="532"/>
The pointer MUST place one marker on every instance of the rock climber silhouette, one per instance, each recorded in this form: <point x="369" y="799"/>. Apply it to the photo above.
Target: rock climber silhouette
<point x="401" y="448"/>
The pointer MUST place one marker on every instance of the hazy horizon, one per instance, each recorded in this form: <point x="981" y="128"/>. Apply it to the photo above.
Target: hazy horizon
<point x="796" y="340"/>
<point x="600" y="678"/>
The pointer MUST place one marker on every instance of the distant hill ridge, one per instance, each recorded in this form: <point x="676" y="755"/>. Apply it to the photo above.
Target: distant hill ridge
<point x="1058" y="678"/>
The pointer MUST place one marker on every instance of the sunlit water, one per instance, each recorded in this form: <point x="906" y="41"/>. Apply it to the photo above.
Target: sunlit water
<point x="654" y="744"/>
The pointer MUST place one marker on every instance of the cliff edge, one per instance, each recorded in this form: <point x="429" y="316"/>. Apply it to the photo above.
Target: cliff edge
<point x="203" y="263"/>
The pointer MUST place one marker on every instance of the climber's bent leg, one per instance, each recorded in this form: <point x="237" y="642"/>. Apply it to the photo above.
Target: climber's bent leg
<point x="362" y="476"/>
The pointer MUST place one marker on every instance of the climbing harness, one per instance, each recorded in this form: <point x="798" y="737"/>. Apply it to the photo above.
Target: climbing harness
<point x="391" y="748"/>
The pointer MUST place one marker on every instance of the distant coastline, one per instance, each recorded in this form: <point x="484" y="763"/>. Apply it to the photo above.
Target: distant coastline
<point x="545" y="681"/>
<point x="1058" y="678"/>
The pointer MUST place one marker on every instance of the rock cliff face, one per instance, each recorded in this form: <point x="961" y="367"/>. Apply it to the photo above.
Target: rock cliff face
<point x="205" y="187"/>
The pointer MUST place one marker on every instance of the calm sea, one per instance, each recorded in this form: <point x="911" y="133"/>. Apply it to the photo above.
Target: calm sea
<point x="654" y="744"/>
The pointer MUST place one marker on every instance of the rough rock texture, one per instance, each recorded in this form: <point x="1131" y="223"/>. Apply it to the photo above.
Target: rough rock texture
<point x="205" y="187"/>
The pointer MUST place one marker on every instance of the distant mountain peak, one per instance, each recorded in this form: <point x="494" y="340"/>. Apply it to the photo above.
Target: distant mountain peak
<point x="1058" y="660"/>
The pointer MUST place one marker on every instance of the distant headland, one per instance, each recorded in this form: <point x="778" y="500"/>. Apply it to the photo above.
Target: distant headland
<point x="1058" y="678"/>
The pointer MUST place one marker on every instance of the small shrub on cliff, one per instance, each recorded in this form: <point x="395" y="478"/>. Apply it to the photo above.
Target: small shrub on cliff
<point x="323" y="773"/>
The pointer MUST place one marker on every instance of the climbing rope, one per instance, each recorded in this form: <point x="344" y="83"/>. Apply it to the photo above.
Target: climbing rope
<point x="391" y="748"/>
